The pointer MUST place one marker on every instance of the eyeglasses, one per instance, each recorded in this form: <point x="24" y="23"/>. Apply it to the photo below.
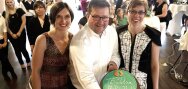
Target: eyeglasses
<point x="136" y="12"/>
<point x="97" y="18"/>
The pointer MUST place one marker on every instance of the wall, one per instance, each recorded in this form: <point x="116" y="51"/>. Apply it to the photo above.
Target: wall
<point x="2" y="5"/>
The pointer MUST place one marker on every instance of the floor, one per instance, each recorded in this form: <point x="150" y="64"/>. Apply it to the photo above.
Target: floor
<point x="167" y="58"/>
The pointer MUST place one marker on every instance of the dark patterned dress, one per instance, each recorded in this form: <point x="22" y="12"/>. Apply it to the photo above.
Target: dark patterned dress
<point x="54" y="71"/>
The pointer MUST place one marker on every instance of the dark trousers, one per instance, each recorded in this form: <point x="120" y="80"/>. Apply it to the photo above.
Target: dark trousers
<point x="19" y="46"/>
<point x="6" y="66"/>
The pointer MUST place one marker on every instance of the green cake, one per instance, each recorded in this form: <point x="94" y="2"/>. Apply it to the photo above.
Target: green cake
<point x="119" y="79"/>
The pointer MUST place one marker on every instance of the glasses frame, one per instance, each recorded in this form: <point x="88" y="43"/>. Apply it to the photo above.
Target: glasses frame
<point x="134" y="12"/>
<point x="98" y="18"/>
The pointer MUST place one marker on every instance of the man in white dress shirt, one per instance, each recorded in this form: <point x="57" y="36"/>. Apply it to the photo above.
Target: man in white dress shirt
<point x="94" y="49"/>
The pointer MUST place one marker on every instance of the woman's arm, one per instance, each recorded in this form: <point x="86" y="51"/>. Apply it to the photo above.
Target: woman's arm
<point x="22" y="25"/>
<point x="155" y="65"/>
<point x="4" y="34"/>
<point x="4" y="29"/>
<point x="37" y="61"/>
<point x="164" y="11"/>
<point x="5" y="39"/>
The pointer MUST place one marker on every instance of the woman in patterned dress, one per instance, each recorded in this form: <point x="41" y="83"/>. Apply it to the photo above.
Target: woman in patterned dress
<point x="139" y="46"/>
<point x="51" y="52"/>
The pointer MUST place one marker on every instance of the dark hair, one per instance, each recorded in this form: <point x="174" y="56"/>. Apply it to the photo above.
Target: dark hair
<point x="56" y="8"/>
<point x="135" y="3"/>
<point x="119" y="9"/>
<point x="98" y="3"/>
<point x="37" y="4"/>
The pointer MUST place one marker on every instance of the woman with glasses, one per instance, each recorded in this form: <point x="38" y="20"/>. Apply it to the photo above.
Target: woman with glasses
<point x="51" y="52"/>
<point x="139" y="46"/>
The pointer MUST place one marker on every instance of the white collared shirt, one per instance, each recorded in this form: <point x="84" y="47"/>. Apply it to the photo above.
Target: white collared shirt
<point x="90" y="55"/>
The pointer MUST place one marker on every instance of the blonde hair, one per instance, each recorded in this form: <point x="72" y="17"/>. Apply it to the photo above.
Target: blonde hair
<point x="7" y="12"/>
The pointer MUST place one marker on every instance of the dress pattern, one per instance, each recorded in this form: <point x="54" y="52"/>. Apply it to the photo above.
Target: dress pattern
<point x="140" y="44"/>
<point x="136" y="54"/>
<point x="54" y="71"/>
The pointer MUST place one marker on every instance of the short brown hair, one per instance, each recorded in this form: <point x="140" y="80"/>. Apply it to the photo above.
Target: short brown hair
<point x="135" y="3"/>
<point x="56" y="8"/>
<point x="37" y="4"/>
<point x="98" y="3"/>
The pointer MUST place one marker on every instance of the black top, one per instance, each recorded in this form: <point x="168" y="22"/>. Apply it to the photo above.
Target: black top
<point x="15" y="20"/>
<point x="35" y="29"/>
<point x="158" y="11"/>
<point x="28" y="6"/>
<point x="83" y="21"/>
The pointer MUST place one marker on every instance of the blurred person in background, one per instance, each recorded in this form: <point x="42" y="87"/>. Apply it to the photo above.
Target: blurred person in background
<point x="6" y="66"/>
<point x="15" y="21"/>
<point x="38" y="24"/>
<point x="160" y="10"/>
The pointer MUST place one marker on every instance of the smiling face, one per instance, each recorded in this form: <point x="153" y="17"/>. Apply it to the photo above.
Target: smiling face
<point x="98" y="19"/>
<point x="9" y="4"/>
<point x="63" y="20"/>
<point x="136" y="15"/>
